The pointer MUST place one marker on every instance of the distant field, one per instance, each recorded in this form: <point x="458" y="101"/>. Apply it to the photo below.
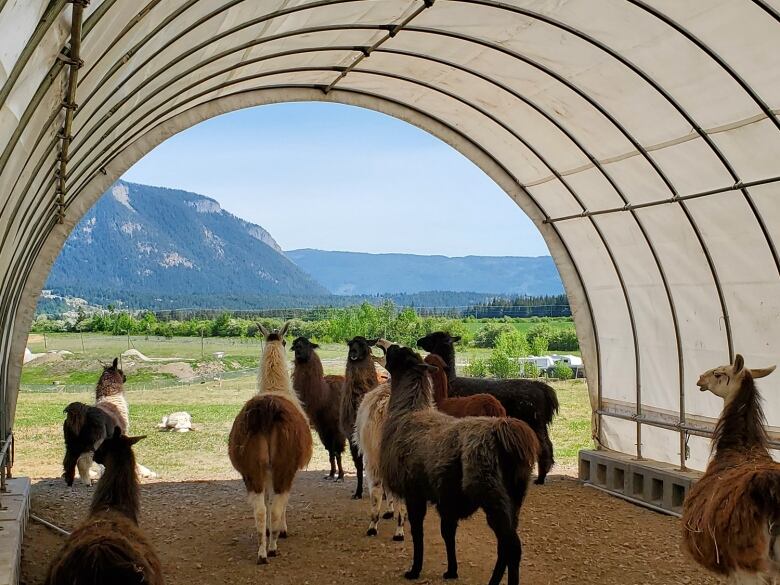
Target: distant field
<point x="202" y="454"/>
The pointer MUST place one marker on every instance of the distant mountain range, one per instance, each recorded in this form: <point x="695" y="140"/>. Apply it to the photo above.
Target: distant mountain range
<point x="159" y="248"/>
<point x="354" y="273"/>
<point x="140" y="243"/>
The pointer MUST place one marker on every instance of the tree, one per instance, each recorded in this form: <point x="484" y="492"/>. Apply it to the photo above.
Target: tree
<point x="562" y="371"/>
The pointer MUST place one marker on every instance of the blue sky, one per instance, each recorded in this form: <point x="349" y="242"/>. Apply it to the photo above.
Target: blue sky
<point x="342" y="178"/>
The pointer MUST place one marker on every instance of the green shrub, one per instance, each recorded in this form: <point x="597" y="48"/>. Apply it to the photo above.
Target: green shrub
<point x="513" y="343"/>
<point x="562" y="371"/>
<point x="564" y="340"/>
<point x="488" y="335"/>
<point x="477" y="368"/>
<point x="530" y="370"/>
<point x="503" y="365"/>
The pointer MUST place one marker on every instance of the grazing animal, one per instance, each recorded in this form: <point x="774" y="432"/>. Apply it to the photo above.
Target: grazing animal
<point x="371" y="415"/>
<point x="458" y="464"/>
<point x="269" y="442"/>
<point x="180" y="422"/>
<point x="109" y="547"/>
<point x="85" y="428"/>
<point x="361" y="377"/>
<point x="731" y="516"/>
<point x="474" y="405"/>
<point x="531" y="401"/>
<point x="321" y="398"/>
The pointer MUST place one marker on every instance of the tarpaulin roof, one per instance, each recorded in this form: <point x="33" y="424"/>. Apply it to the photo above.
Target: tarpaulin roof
<point x="642" y="138"/>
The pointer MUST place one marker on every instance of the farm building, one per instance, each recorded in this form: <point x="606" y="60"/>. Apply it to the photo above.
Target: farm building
<point x="641" y="137"/>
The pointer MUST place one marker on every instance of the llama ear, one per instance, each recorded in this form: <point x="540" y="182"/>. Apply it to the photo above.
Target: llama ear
<point x="739" y="363"/>
<point x="314" y="345"/>
<point x="426" y="368"/>
<point x="283" y="330"/>
<point x="134" y="440"/>
<point x="455" y="338"/>
<point x="372" y="342"/>
<point x="263" y="330"/>
<point x="117" y="432"/>
<point x="762" y="372"/>
<point x="115" y="363"/>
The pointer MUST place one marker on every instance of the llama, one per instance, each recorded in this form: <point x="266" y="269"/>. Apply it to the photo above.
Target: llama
<point x="110" y="399"/>
<point x="321" y="398"/>
<point x="85" y="428"/>
<point x="370" y="419"/>
<point x="361" y="377"/>
<point x="531" y="401"/>
<point x="458" y="464"/>
<point x="269" y="442"/>
<point x="731" y="516"/>
<point x="474" y="405"/>
<point x="109" y="547"/>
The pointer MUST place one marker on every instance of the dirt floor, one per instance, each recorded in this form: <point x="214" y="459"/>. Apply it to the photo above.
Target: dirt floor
<point x="204" y="533"/>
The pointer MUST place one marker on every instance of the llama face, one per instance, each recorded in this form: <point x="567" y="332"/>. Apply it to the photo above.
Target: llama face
<point x="112" y="375"/>
<point x="436" y="340"/>
<point x="725" y="381"/>
<point x="303" y="349"/>
<point x="359" y="348"/>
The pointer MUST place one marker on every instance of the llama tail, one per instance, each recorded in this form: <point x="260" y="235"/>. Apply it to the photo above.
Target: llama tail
<point x="261" y="416"/>
<point x="518" y="449"/>
<point x="76" y="417"/>
<point x="551" y="403"/>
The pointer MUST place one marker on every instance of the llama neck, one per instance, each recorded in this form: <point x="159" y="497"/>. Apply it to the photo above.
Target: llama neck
<point x="307" y="380"/>
<point x="741" y="426"/>
<point x="360" y="376"/>
<point x="439" y="381"/>
<point x="119" y="402"/>
<point x="410" y="392"/>
<point x="118" y="489"/>
<point x="447" y="353"/>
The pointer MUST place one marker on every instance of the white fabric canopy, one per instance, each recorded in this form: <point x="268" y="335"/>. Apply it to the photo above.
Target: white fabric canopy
<point x="642" y="137"/>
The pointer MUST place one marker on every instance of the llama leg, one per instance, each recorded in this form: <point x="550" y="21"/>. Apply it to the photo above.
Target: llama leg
<point x="417" y="509"/>
<point x="390" y="512"/>
<point x="69" y="467"/>
<point x="400" y="518"/>
<point x="278" y="510"/>
<point x="283" y="531"/>
<point x="745" y="578"/>
<point x="546" y="460"/>
<point x="84" y="464"/>
<point x="341" y="469"/>
<point x="257" y="501"/>
<point x="449" y="526"/>
<point x="499" y="521"/>
<point x="375" y="501"/>
<point x="358" y="459"/>
<point x="332" y="459"/>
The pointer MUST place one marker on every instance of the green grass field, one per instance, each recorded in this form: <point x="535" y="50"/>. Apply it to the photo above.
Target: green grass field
<point x="202" y="454"/>
<point x="213" y="400"/>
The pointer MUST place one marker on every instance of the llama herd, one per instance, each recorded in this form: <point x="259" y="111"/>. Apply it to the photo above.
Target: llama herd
<point x="423" y="436"/>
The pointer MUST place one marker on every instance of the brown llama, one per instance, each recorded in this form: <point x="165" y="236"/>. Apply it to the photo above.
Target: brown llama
<point x="109" y="547"/>
<point x="731" y="516"/>
<point x="361" y="377"/>
<point x="531" y="401"/>
<point x="474" y="405"/>
<point x="269" y="442"/>
<point x="321" y="399"/>
<point x="370" y="420"/>
<point x="458" y="464"/>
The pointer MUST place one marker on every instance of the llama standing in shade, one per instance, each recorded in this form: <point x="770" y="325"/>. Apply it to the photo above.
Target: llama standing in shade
<point x="269" y="442"/>
<point x="731" y="517"/>
<point x="109" y="547"/>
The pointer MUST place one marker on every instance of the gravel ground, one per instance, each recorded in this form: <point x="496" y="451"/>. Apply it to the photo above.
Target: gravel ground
<point x="205" y="534"/>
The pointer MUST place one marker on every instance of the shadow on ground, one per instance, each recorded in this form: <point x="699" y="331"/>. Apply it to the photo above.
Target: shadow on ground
<point x="205" y="534"/>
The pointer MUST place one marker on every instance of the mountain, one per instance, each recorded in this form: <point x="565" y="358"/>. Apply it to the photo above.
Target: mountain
<point x="353" y="273"/>
<point x="148" y="246"/>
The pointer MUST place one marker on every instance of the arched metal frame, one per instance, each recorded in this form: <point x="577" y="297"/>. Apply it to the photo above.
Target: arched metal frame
<point x="38" y="222"/>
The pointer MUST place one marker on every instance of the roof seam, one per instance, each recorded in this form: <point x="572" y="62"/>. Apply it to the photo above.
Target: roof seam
<point x="392" y="30"/>
<point x="659" y="146"/>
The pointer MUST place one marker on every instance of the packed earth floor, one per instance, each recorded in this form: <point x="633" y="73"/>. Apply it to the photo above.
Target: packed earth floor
<point x="205" y="534"/>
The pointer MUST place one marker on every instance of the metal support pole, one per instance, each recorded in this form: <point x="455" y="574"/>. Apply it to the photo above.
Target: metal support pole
<point x="69" y="104"/>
